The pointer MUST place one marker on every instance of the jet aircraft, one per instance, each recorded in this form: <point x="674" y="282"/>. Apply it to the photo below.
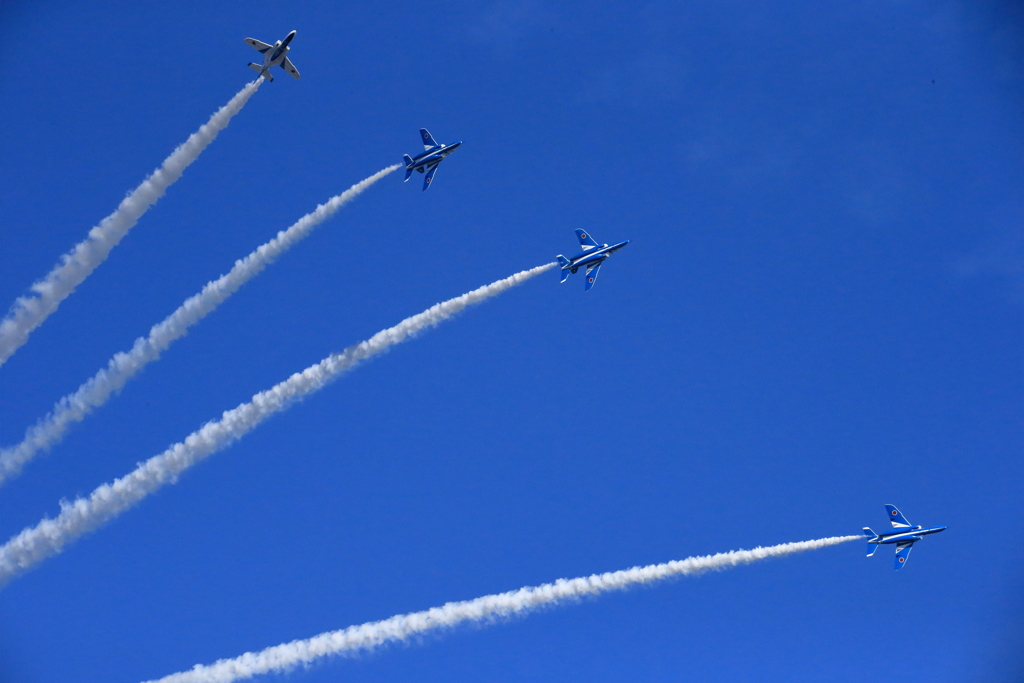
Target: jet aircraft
<point x="273" y="55"/>
<point x="593" y="257"/>
<point x="427" y="162"/>
<point x="905" y="535"/>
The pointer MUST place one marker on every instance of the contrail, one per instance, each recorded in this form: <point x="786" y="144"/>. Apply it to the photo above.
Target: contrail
<point x="488" y="608"/>
<point x="28" y="312"/>
<point x="82" y="515"/>
<point x="123" y="366"/>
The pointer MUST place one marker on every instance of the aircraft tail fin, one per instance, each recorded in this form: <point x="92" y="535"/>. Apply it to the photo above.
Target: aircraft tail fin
<point x="869" y="533"/>
<point x="408" y="161"/>
<point x="563" y="262"/>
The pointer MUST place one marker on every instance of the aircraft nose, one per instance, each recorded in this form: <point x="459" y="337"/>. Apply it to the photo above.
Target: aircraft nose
<point x="456" y="144"/>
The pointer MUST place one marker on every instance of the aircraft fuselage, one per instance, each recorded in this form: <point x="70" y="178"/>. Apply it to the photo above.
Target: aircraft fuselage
<point x="276" y="56"/>
<point x="432" y="156"/>
<point x="906" y="535"/>
<point x="593" y="256"/>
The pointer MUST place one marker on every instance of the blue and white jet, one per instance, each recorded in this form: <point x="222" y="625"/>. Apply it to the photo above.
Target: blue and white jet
<point x="905" y="535"/>
<point x="592" y="258"/>
<point x="273" y="55"/>
<point x="427" y="162"/>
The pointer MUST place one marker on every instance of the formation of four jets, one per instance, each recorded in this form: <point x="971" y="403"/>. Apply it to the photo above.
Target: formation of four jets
<point x="592" y="258"/>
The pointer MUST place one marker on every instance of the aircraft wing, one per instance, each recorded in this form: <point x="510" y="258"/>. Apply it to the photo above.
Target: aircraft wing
<point x="902" y="553"/>
<point x="586" y="241"/>
<point x="258" y="44"/>
<point x="592" y="272"/>
<point x="430" y="175"/>
<point x="428" y="139"/>
<point x="897" y="518"/>
<point x="290" y="68"/>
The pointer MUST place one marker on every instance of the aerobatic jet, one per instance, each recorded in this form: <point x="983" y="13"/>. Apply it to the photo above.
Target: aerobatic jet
<point x="427" y="162"/>
<point x="273" y="55"/>
<point x="904" y="535"/>
<point x="592" y="258"/>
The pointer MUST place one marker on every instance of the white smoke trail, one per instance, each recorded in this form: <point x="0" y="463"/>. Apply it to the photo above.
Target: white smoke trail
<point x="376" y="633"/>
<point x="123" y="366"/>
<point x="82" y="515"/>
<point x="28" y="312"/>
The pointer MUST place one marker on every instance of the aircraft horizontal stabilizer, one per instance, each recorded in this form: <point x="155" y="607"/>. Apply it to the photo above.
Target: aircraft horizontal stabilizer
<point x="258" y="68"/>
<point x="562" y="261"/>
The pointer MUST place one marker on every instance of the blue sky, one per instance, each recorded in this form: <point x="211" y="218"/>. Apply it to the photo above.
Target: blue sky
<point x="820" y="311"/>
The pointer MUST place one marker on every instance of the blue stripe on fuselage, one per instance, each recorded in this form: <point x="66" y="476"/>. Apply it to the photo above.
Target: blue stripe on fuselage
<point x="432" y="156"/>
<point x="427" y="153"/>
<point x="587" y="259"/>
<point x="909" y="535"/>
<point x="427" y="157"/>
<point x="595" y="255"/>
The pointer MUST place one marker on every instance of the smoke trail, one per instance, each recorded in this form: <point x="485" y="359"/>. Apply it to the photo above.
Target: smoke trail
<point x="123" y="366"/>
<point x="28" y="312"/>
<point x="109" y="500"/>
<point x="376" y="633"/>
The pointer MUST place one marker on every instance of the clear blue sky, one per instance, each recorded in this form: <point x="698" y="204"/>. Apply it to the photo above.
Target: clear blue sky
<point x="821" y="311"/>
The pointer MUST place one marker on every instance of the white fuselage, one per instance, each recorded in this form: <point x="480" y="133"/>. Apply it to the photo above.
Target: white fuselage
<point x="276" y="54"/>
